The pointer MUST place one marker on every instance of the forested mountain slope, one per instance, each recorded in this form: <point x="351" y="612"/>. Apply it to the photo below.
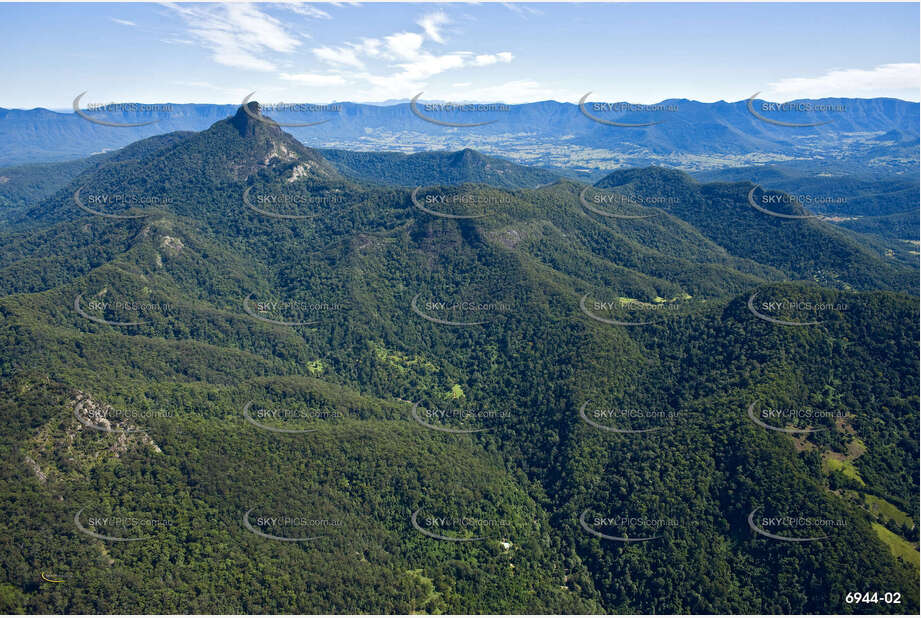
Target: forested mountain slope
<point x="465" y="399"/>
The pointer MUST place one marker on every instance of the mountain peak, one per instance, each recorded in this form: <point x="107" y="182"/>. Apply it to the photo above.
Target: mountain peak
<point x="250" y="143"/>
<point x="249" y="118"/>
<point x="650" y="175"/>
<point x="468" y="154"/>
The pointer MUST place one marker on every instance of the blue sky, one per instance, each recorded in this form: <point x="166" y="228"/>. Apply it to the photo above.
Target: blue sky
<point x="512" y="53"/>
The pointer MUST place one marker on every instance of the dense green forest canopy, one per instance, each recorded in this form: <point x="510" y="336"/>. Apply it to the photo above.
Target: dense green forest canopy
<point x="255" y="383"/>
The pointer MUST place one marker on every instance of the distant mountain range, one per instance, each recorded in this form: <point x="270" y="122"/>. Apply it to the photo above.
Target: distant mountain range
<point x="878" y="134"/>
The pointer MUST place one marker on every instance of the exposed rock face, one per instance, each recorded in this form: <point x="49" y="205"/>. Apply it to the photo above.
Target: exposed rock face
<point x="509" y="237"/>
<point x="124" y="431"/>
<point x="79" y="447"/>
<point x="299" y="171"/>
<point x="245" y="122"/>
<point x="36" y="469"/>
<point x="171" y="246"/>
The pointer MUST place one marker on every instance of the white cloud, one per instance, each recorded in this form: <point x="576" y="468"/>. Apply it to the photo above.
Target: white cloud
<point x="349" y="55"/>
<point x="178" y="41"/>
<point x="238" y="35"/>
<point x="306" y="10"/>
<point x="340" y="55"/>
<point x="883" y="80"/>
<point x="123" y="22"/>
<point x="486" y="59"/>
<point x="371" y="47"/>
<point x="405" y="61"/>
<point x="432" y="24"/>
<point x="427" y="65"/>
<point x="405" y="45"/>
<point x="311" y="79"/>
<point x="522" y="9"/>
